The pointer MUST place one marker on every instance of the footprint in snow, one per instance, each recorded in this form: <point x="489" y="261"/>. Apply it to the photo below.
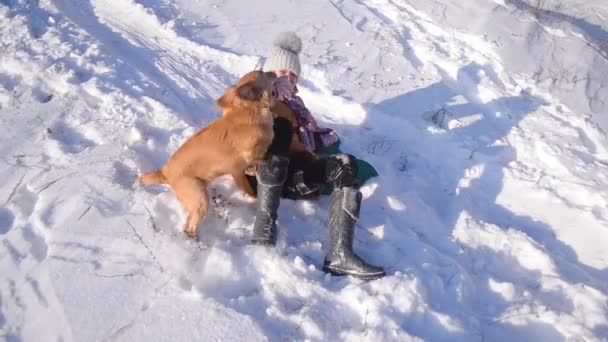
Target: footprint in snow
<point x="6" y="220"/>
<point x="70" y="140"/>
<point x="25" y="201"/>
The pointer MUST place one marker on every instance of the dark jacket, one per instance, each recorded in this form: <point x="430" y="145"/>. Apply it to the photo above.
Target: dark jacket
<point x="299" y="158"/>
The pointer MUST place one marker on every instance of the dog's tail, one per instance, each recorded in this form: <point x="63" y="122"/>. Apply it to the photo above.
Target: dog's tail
<point x="154" y="177"/>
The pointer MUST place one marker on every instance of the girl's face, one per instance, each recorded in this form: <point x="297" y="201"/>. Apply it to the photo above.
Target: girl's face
<point x="285" y="85"/>
<point x="293" y="78"/>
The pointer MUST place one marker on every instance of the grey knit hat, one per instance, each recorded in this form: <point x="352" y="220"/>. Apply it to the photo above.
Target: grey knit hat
<point x="285" y="53"/>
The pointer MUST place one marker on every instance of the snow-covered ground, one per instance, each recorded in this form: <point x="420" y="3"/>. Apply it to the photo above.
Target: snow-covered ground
<point x="487" y="121"/>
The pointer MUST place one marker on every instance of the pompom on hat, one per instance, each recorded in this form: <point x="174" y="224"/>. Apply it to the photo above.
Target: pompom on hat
<point x="284" y="56"/>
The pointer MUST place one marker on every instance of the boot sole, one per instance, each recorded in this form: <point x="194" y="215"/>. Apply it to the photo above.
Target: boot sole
<point x="263" y="243"/>
<point x="364" y="276"/>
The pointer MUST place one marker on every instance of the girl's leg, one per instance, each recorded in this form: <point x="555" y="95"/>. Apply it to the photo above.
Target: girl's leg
<point x="270" y="177"/>
<point x="345" y="202"/>
<point x="339" y="170"/>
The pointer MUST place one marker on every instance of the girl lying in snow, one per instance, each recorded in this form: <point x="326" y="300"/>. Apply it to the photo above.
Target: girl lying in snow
<point x="293" y="169"/>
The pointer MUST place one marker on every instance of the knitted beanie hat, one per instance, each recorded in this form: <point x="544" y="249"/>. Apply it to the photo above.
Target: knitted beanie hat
<point x="284" y="54"/>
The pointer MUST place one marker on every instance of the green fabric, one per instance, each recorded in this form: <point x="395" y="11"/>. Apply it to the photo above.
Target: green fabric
<point x="331" y="149"/>
<point x="365" y="171"/>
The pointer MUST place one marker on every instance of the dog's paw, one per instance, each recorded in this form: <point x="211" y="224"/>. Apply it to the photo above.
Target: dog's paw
<point x="191" y="229"/>
<point x="251" y="170"/>
<point x="191" y="233"/>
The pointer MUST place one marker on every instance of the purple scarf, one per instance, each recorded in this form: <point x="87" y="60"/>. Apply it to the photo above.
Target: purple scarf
<point x="310" y="133"/>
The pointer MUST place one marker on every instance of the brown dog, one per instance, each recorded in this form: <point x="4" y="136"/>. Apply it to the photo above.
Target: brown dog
<point x="227" y="146"/>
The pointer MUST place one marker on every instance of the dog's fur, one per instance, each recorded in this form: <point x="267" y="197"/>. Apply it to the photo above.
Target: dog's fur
<point x="227" y="146"/>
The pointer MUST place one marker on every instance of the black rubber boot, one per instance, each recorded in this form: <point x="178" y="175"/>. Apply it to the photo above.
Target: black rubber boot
<point x="344" y="205"/>
<point x="271" y="176"/>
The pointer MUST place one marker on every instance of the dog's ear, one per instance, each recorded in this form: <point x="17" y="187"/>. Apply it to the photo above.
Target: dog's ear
<point x="227" y="100"/>
<point x="249" y="91"/>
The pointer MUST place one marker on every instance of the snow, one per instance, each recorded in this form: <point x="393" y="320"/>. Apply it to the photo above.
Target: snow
<point x="486" y="121"/>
